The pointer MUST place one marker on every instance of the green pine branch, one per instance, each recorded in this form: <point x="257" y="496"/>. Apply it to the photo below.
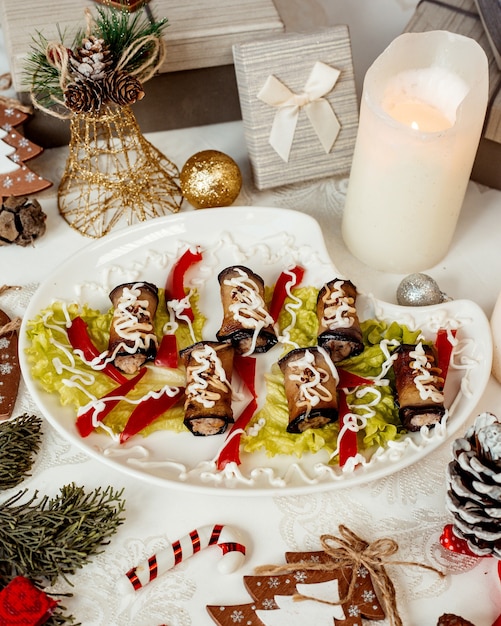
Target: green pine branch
<point x="45" y="538"/>
<point x="20" y="440"/>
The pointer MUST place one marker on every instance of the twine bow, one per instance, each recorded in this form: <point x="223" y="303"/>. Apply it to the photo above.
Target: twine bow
<point x="351" y="551"/>
<point x="320" y="113"/>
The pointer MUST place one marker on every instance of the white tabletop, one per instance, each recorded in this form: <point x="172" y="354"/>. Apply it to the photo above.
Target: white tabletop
<point x="408" y="506"/>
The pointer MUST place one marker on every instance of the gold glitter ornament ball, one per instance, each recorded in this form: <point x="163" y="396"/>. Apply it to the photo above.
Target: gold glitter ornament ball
<point x="210" y="179"/>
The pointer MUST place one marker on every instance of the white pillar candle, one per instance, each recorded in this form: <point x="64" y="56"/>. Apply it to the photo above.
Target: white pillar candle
<point x="421" y="115"/>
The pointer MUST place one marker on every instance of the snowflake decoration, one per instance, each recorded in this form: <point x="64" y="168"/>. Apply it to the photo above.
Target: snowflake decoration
<point x="30" y="177"/>
<point x="8" y="183"/>
<point x="300" y="577"/>
<point x="368" y="595"/>
<point x="273" y="583"/>
<point x="353" y="610"/>
<point x="9" y="112"/>
<point x="6" y="368"/>
<point x="4" y="343"/>
<point x="24" y="143"/>
<point x="362" y="572"/>
<point x="269" y="603"/>
<point x="237" y="617"/>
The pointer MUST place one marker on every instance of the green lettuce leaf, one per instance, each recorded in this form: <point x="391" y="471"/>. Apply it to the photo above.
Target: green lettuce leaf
<point x="380" y="428"/>
<point x="49" y="348"/>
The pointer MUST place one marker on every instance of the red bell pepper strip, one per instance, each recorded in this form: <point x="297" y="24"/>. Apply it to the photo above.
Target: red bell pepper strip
<point x="167" y="353"/>
<point x="348" y="446"/>
<point x="174" y="285"/>
<point x="349" y="380"/>
<point x="147" y="411"/>
<point x="245" y="366"/>
<point x="230" y="453"/>
<point x="285" y="282"/>
<point x="78" y="336"/>
<point x="444" y="349"/>
<point x="85" y="422"/>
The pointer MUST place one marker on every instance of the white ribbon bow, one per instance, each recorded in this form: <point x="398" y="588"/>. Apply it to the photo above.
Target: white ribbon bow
<point x="323" y="119"/>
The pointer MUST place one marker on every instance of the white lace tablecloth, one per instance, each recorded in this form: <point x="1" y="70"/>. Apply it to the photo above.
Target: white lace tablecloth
<point x="408" y="506"/>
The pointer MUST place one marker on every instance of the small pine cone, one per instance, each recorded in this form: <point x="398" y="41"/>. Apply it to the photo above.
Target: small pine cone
<point x="123" y="89"/>
<point x="92" y="59"/>
<point x="21" y="221"/>
<point x="84" y="97"/>
<point x="474" y="494"/>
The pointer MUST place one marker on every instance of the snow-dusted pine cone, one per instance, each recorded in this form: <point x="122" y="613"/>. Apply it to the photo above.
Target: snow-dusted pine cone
<point x="123" y="89"/>
<point x="474" y="494"/>
<point x="91" y="61"/>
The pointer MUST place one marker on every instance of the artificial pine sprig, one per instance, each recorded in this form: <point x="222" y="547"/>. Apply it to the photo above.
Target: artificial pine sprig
<point x="41" y="77"/>
<point x="121" y="29"/>
<point x="45" y="538"/>
<point x="20" y="440"/>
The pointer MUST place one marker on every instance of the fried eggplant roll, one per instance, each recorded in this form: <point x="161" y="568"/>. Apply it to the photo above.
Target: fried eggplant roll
<point x="419" y="386"/>
<point x="338" y="324"/>
<point x="209" y="366"/>
<point x="246" y="323"/>
<point x="311" y="381"/>
<point x="132" y="336"/>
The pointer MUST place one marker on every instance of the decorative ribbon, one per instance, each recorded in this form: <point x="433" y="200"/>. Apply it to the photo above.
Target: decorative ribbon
<point x="352" y="551"/>
<point x="320" y="113"/>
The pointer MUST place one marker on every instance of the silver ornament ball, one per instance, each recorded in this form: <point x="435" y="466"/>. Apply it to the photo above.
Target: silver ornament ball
<point x="419" y="290"/>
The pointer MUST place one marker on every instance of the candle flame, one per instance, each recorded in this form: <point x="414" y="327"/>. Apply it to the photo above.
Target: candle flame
<point x="415" y="125"/>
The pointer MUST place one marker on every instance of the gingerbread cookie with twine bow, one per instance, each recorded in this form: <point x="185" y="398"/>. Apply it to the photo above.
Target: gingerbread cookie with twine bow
<point x="343" y="583"/>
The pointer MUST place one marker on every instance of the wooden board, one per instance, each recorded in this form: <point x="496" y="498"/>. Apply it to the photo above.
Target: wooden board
<point x="461" y="16"/>
<point x="490" y="14"/>
<point x="200" y="32"/>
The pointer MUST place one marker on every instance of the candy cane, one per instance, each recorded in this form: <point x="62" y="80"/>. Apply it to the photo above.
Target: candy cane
<point x="224" y="537"/>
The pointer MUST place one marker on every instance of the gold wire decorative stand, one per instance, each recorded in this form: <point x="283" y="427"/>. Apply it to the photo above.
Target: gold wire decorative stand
<point x="113" y="175"/>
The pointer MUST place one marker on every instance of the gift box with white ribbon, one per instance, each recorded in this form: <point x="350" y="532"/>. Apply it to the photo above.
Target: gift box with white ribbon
<point x="299" y="105"/>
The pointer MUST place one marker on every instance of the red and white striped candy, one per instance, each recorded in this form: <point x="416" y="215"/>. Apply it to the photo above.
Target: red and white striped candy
<point x="224" y="537"/>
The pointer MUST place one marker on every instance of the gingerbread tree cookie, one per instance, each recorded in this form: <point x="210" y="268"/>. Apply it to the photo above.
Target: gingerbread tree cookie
<point x="16" y="179"/>
<point x="304" y="596"/>
<point x="10" y="371"/>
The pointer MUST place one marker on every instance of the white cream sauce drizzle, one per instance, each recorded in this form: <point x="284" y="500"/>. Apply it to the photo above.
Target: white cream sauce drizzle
<point x="207" y="472"/>
<point x="247" y="305"/>
<point x="339" y="309"/>
<point x="82" y="380"/>
<point x="311" y="379"/>
<point x="424" y="379"/>
<point x="137" y="333"/>
<point x="175" y="309"/>
<point x="208" y="370"/>
<point x="291" y="308"/>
